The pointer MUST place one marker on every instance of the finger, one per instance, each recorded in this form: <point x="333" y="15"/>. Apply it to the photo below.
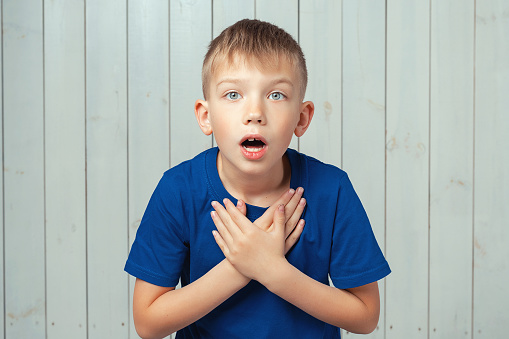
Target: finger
<point x="236" y="216"/>
<point x="241" y="206"/>
<point x="266" y="219"/>
<point x="279" y="219"/>
<point x="295" y="217"/>
<point x="221" y="243"/>
<point x="221" y="228"/>
<point x="291" y="206"/>
<point x="294" y="236"/>
<point x="226" y="220"/>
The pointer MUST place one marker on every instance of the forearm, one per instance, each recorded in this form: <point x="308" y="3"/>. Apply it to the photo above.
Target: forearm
<point x="178" y="308"/>
<point x="337" y="307"/>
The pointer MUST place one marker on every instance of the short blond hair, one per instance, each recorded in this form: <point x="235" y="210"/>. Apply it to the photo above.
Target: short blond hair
<point x="257" y="41"/>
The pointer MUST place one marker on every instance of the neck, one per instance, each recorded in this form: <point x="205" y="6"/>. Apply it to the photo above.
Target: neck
<point x="259" y="190"/>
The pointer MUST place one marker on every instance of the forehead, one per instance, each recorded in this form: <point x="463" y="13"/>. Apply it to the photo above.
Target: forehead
<point x="226" y="66"/>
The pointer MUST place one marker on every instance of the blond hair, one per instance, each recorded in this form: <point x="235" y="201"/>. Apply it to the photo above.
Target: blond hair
<point x="257" y="41"/>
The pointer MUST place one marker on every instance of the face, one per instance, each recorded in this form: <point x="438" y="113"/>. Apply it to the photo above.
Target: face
<point x="253" y="114"/>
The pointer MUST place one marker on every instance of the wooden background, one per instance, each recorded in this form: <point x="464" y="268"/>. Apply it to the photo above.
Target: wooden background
<point x="412" y="100"/>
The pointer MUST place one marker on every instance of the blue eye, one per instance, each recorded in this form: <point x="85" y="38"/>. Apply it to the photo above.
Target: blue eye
<point x="233" y="95"/>
<point x="276" y="96"/>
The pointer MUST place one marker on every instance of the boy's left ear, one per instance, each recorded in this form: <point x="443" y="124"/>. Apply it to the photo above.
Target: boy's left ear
<point x="201" y="112"/>
<point x="307" y="109"/>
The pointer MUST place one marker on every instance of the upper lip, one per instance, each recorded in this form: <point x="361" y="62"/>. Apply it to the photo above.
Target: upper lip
<point x="253" y="136"/>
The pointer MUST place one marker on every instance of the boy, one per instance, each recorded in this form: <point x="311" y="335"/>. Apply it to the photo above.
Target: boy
<point x="248" y="270"/>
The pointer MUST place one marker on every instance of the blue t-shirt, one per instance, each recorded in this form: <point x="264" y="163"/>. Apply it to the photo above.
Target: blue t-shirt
<point x="175" y="241"/>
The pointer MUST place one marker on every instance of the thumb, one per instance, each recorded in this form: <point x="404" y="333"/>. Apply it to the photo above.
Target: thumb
<point x="279" y="218"/>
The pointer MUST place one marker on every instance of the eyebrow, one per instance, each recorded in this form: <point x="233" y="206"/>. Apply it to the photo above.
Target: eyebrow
<point x="241" y="81"/>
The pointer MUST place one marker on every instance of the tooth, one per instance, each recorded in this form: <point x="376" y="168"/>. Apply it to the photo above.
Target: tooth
<point x="251" y="139"/>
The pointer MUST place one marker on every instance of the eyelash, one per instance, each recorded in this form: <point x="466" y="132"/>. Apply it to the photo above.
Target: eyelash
<point x="228" y="96"/>
<point x="236" y="93"/>
<point x="278" y="93"/>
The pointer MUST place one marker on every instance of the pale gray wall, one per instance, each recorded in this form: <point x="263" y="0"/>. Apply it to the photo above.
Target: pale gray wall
<point x="97" y="101"/>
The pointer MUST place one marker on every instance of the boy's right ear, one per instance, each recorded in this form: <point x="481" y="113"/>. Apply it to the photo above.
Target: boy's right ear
<point x="202" y="116"/>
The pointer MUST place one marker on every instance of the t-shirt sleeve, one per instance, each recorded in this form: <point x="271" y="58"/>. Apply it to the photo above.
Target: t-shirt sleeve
<point x="356" y="258"/>
<point x="160" y="248"/>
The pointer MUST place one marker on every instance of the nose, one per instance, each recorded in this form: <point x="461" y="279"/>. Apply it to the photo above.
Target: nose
<point x="255" y="114"/>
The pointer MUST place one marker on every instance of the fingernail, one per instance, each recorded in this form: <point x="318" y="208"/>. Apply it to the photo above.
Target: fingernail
<point x="302" y="201"/>
<point x="291" y="191"/>
<point x="281" y="208"/>
<point x="225" y="200"/>
<point x="239" y="203"/>
<point x="300" y="190"/>
<point x="213" y="214"/>
<point x="213" y="203"/>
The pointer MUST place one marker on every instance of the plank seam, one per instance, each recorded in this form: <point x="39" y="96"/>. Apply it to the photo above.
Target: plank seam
<point x="385" y="174"/>
<point x="86" y="167"/>
<point x="44" y="167"/>
<point x="128" y="322"/>
<point x="429" y="164"/>
<point x="3" y="174"/>
<point x="473" y="171"/>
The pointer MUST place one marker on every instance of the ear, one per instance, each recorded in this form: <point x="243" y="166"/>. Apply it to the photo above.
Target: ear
<point x="202" y="116"/>
<point x="307" y="109"/>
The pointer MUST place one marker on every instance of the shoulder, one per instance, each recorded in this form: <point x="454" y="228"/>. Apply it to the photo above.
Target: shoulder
<point x="318" y="172"/>
<point x="187" y="172"/>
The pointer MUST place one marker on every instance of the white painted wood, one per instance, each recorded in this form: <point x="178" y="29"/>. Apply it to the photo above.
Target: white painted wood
<point x="407" y="168"/>
<point x="107" y="213"/>
<point x="24" y="287"/>
<point x="364" y="115"/>
<point x="148" y="100"/>
<point x="284" y="14"/>
<point x="228" y="12"/>
<point x="190" y="34"/>
<point x="323" y="57"/>
<point x="451" y="169"/>
<point x="491" y="180"/>
<point x="64" y="86"/>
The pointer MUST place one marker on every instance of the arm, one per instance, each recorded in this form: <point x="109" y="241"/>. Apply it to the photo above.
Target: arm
<point x="159" y="311"/>
<point x="355" y="310"/>
<point x="260" y="256"/>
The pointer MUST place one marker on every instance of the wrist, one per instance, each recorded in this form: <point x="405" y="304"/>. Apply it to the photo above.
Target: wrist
<point x="233" y="274"/>
<point x="275" y="274"/>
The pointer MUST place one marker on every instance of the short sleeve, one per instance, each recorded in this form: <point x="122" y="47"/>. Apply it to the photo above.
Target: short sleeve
<point x="160" y="247"/>
<point x="356" y="258"/>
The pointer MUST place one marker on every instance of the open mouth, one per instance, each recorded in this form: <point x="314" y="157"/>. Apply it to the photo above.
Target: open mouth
<point x="253" y="145"/>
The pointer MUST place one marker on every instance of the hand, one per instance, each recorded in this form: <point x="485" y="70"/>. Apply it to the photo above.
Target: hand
<point x="250" y="249"/>
<point x="294" y="207"/>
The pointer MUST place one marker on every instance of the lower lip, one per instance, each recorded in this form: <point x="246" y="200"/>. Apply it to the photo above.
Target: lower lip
<point x="253" y="155"/>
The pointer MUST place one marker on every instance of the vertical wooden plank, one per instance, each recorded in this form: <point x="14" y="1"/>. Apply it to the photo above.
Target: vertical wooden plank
<point x="148" y="105"/>
<point x="227" y="12"/>
<point x="23" y="169"/>
<point x="364" y="114"/>
<point x="270" y="11"/>
<point x="451" y="168"/>
<point x="106" y="142"/>
<point x="320" y="24"/>
<point x="407" y="168"/>
<point x="190" y="34"/>
<point x="491" y="199"/>
<point x="64" y="63"/>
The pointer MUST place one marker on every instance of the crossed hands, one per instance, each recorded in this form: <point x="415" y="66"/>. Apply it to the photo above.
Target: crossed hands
<point x="254" y="247"/>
